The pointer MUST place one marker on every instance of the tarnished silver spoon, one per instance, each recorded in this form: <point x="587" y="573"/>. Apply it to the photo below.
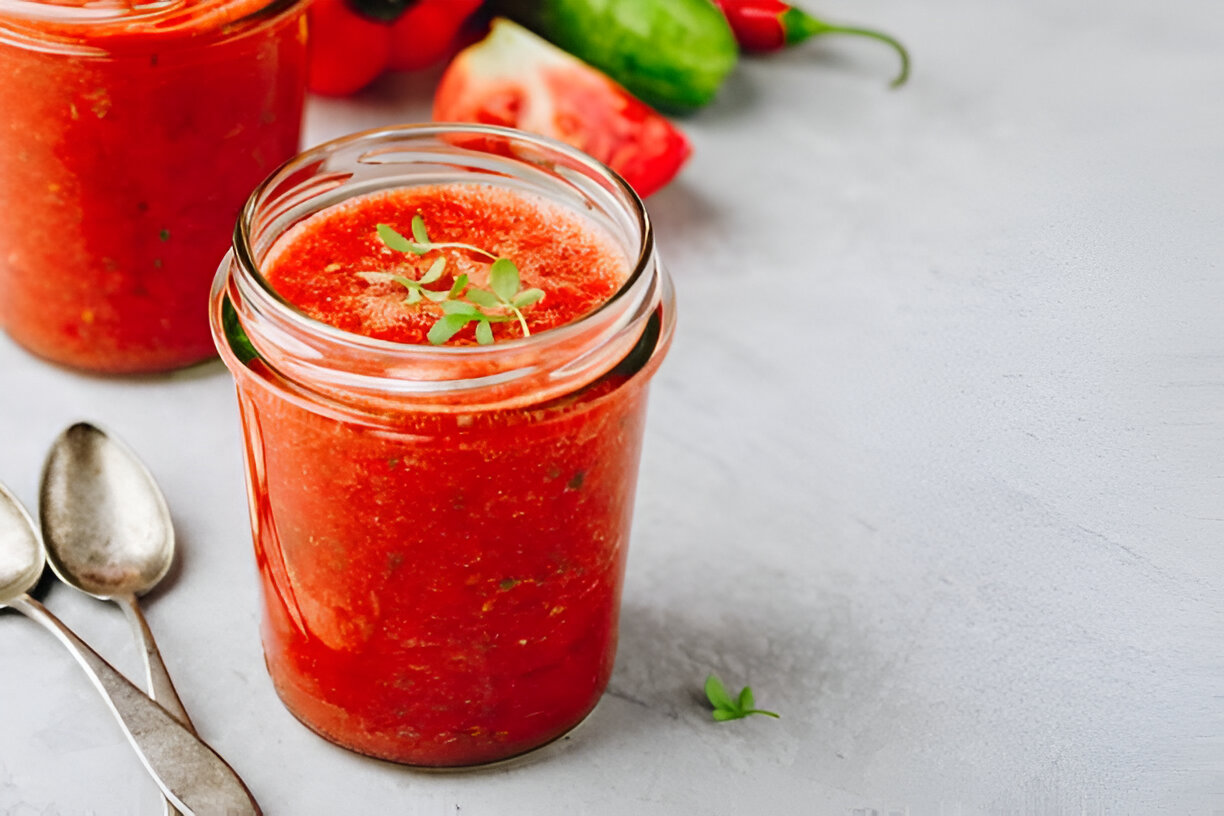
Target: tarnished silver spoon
<point x="189" y="773"/>
<point x="108" y="533"/>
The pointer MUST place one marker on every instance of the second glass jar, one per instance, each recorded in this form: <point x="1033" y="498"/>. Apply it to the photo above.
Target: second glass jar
<point x="132" y="137"/>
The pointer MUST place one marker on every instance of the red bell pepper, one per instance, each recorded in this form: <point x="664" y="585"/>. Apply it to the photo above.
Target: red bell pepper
<point x="348" y="50"/>
<point x="353" y="41"/>
<point x="427" y="32"/>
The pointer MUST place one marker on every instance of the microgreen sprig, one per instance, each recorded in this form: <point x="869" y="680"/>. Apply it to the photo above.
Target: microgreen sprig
<point x="416" y="288"/>
<point x="463" y="303"/>
<point x="421" y="243"/>
<point x="727" y="707"/>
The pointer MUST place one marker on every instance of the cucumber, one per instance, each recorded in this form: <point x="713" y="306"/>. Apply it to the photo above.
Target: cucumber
<point x="671" y="54"/>
<point x="234" y="333"/>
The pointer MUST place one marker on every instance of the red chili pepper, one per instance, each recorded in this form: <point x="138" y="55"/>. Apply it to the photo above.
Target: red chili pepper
<point x="771" y="25"/>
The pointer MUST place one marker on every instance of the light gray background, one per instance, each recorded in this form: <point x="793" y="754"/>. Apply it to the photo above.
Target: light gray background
<point x="935" y="463"/>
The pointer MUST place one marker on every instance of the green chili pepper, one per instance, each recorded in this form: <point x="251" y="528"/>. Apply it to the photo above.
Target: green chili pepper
<point x="672" y="54"/>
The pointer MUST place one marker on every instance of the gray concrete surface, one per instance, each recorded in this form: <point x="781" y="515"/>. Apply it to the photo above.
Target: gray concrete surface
<point x="936" y="463"/>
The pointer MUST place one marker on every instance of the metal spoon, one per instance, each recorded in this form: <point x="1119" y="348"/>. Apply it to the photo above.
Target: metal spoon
<point x="189" y="773"/>
<point x="108" y="534"/>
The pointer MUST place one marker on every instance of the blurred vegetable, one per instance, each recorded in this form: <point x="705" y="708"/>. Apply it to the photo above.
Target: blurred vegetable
<point x="771" y="25"/>
<point x="426" y="32"/>
<point x="383" y="11"/>
<point x="672" y="54"/>
<point x="516" y="79"/>
<point x="353" y="41"/>
<point x="347" y="50"/>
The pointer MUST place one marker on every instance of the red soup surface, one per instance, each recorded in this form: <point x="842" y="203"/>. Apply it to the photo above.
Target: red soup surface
<point x="442" y="588"/>
<point x="127" y="150"/>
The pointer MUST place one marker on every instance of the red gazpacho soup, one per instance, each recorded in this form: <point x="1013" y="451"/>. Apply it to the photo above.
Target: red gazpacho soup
<point x="442" y="586"/>
<point x="132" y="136"/>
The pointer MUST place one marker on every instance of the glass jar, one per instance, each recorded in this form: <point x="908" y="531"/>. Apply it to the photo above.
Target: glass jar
<point x="441" y="531"/>
<point x="132" y="136"/>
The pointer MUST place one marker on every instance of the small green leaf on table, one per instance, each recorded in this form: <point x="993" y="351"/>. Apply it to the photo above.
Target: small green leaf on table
<point x="727" y="707"/>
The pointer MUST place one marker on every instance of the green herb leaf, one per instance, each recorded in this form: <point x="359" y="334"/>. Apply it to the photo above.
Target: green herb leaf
<point x="484" y="333"/>
<point x="527" y="297"/>
<point x="458" y="307"/>
<point x="486" y="306"/>
<point x="483" y="297"/>
<point x="504" y="279"/>
<point x="447" y="327"/>
<point x="389" y="277"/>
<point x="728" y="708"/>
<point x="419" y="234"/>
<point x="435" y="271"/>
<point x="717" y="694"/>
<point x="393" y="240"/>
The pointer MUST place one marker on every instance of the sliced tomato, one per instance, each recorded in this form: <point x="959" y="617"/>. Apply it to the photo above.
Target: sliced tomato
<point x="347" y="50"/>
<point x="427" y="32"/>
<point x="516" y="79"/>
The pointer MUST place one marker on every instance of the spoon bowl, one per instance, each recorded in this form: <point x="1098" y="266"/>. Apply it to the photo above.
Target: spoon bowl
<point x="21" y="552"/>
<point x="109" y="534"/>
<point x="107" y="525"/>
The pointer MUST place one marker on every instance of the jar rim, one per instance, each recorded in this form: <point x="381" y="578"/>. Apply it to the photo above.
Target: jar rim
<point x="244" y="254"/>
<point x="316" y="354"/>
<point x="155" y="18"/>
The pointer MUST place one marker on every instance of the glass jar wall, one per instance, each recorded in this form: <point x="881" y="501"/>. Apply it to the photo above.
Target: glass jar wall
<point x="441" y="531"/>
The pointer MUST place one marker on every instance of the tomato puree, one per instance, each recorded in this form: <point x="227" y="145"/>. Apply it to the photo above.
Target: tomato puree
<point x="442" y="588"/>
<point x="318" y="265"/>
<point x="130" y="142"/>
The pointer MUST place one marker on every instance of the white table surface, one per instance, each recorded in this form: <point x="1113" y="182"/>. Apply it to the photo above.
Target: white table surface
<point x="951" y="498"/>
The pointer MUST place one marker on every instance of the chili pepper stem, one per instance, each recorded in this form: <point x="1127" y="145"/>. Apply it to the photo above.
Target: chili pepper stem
<point x="799" y="26"/>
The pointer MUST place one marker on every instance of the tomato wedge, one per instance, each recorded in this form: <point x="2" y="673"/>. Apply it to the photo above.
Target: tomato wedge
<point x="516" y="79"/>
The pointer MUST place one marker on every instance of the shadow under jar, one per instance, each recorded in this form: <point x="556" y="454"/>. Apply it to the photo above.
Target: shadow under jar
<point x="441" y="530"/>
<point x="132" y="135"/>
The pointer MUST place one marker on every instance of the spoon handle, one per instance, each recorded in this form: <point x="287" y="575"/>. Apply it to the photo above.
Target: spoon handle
<point x="161" y="687"/>
<point x="189" y="773"/>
